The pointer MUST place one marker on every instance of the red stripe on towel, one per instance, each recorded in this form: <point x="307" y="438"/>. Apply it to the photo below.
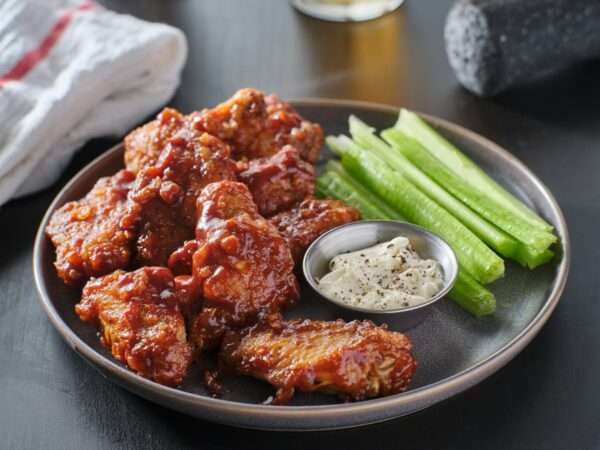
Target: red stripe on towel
<point x="32" y="58"/>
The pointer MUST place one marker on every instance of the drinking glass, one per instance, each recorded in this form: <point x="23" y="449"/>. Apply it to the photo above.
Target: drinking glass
<point x="346" y="10"/>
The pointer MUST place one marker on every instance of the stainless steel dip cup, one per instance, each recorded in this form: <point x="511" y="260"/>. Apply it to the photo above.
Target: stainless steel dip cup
<point x="362" y="234"/>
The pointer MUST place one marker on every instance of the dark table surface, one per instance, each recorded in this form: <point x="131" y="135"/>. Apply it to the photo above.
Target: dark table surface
<point x="546" y="398"/>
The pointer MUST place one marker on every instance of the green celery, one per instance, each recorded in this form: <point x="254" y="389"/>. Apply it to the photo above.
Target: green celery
<point x="496" y="213"/>
<point x="472" y="296"/>
<point x="498" y="240"/>
<point x="415" y="127"/>
<point x="332" y="185"/>
<point x="467" y="292"/>
<point x="472" y="253"/>
<point x="335" y="167"/>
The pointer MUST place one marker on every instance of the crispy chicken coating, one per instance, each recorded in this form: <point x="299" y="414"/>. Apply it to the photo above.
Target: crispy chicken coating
<point x="306" y="136"/>
<point x="240" y="264"/>
<point x="257" y="126"/>
<point x="144" y="144"/>
<point x="164" y="196"/>
<point x="356" y="360"/>
<point x="140" y="321"/>
<point x="280" y="181"/>
<point x="303" y="224"/>
<point x="254" y="125"/>
<point x="93" y="236"/>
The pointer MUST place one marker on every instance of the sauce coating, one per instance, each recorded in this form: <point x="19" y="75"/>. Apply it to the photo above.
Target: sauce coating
<point x="140" y="321"/>
<point x="301" y="225"/>
<point x="355" y="360"/>
<point x="93" y="236"/>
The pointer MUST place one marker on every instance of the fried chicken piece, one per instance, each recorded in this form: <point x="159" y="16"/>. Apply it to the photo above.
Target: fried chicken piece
<point x="164" y="196"/>
<point x="257" y="126"/>
<point x="140" y="321"/>
<point x="144" y="144"/>
<point x="280" y="181"/>
<point x="303" y="224"/>
<point x="254" y="125"/>
<point x="241" y="265"/>
<point x="160" y="231"/>
<point x="356" y="360"/>
<point x="306" y="136"/>
<point x="93" y="236"/>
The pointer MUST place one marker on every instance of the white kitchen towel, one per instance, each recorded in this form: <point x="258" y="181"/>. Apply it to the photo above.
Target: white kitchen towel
<point x="71" y="70"/>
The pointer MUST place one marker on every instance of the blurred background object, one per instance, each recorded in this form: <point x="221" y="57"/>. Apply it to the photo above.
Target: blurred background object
<point x="495" y="44"/>
<point x="71" y="71"/>
<point x="346" y="10"/>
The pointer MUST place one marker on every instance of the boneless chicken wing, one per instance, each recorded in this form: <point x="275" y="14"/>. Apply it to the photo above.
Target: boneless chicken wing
<point x="144" y="144"/>
<point x="280" y="181"/>
<point x="356" y="360"/>
<point x="257" y="126"/>
<point x="194" y="245"/>
<point x="303" y="224"/>
<point x="93" y="236"/>
<point x="306" y="136"/>
<point x="164" y="196"/>
<point x="241" y="264"/>
<point x="140" y="321"/>
<point x="253" y="124"/>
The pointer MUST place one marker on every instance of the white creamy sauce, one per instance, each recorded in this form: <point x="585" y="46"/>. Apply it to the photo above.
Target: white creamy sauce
<point x="390" y="275"/>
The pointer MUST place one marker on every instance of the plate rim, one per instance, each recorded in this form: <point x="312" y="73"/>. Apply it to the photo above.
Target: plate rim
<point x="343" y="413"/>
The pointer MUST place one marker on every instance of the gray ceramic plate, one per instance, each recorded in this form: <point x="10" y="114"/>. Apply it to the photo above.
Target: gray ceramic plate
<point x="454" y="350"/>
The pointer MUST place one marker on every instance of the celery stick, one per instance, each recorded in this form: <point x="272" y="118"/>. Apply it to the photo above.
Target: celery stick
<point x="504" y="244"/>
<point x="531" y="258"/>
<point x="332" y="185"/>
<point x="415" y="127"/>
<point x="498" y="240"/>
<point x="320" y="193"/>
<point x="472" y="296"/>
<point x="472" y="253"/>
<point x="488" y="208"/>
<point x="334" y="167"/>
<point x="467" y="293"/>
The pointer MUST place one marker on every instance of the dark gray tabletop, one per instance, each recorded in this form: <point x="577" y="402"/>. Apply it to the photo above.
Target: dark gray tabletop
<point x="547" y="398"/>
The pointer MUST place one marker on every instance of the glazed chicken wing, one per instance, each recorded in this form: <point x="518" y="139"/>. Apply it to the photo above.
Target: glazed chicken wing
<point x="164" y="196"/>
<point x="144" y="145"/>
<point x="356" y="360"/>
<point x="303" y="224"/>
<point x="254" y="125"/>
<point x="93" y="236"/>
<point x="306" y="136"/>
<point x="257" y="126"/>
<point x="280" y="181"/>
<point x="242" y="266"/>
<point x="140" y="321"/>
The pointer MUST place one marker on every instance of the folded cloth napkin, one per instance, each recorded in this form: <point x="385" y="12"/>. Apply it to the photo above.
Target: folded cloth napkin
<point x="71" y="70"/>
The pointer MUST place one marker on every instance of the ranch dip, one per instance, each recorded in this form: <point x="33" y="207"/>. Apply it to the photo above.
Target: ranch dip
<point x="390" y="275"/>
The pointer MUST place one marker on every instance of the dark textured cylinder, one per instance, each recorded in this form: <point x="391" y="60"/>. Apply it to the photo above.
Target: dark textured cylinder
<point x="495" y="44"/>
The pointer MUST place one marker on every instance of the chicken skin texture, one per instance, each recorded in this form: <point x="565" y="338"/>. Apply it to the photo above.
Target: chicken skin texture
<point x="303" y="224"/>
<point x="355" y="360"/>
<point x="239" y="264"/>
<point x="278" y="182"/>
<point x="254" y="125"/>
<point x="306" y="136"/>
<point x="257" y="126"/>
<point x="144" y="145"/>
<point x="140" y="321"/>
<point x="164" y="196"/>
<point x="93" y="236"/>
